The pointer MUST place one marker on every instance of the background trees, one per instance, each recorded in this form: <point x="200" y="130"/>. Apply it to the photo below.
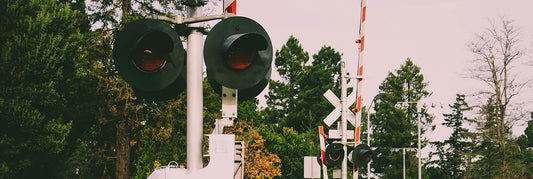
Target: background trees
<point x="394" y="127"/>
<point x="490" y="149"/>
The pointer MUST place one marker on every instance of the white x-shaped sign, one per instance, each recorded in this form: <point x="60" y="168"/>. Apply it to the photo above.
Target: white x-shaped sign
<point x="336" y="113"/>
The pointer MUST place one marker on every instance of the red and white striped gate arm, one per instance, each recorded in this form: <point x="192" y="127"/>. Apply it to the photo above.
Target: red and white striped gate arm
<point x="230" y="6"/>
<point x="322" y="136"/>
<point x="359" y="92"/>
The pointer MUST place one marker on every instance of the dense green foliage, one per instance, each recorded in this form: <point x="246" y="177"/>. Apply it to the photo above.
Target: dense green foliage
<point x="493" y="159"/>
<point x="396" y="127"/>
<point x="525" y="143"/>
<point x="295" y="106"/>
<point x="44" y="82"/>
<point x="296" y="101"/>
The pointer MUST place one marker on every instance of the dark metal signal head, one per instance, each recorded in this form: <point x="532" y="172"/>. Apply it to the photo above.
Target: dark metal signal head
<point x="149" y="55"/>
<point x="334" y="154"/>
<point x="362" y="154"/>
<point x="238" y="55"/>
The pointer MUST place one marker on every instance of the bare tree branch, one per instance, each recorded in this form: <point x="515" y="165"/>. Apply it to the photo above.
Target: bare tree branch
<point x="496" y="52"/>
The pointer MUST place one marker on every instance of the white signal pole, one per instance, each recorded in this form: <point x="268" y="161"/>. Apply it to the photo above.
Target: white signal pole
<point x="344" y="122"/>
<point x="195" y="58"/>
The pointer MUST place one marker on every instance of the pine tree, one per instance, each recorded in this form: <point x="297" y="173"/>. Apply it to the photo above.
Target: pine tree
<point x="41" y="65"/>
<point x="289" y="62"/>
<point x="296" y="106"/>
<point x="297" y="100"/>
<point x="525" y="142"/>
<point x="395" y="127"/>
<point x="453" y="152"/>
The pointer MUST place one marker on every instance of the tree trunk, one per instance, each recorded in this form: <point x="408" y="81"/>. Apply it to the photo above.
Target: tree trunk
<point x="123" y="129"/>
<point x="123" y="150"/>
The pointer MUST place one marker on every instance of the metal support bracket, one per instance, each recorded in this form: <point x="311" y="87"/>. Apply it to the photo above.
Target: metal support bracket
<point x="182" y="20"/>
<point x="229" y="110"/>
<point x="358" y="77"/>
<point x="229" y="103"/>
<point x="194" y="3"/>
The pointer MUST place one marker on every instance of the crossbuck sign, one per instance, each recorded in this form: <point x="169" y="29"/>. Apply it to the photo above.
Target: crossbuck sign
<point x="336" y="113"/>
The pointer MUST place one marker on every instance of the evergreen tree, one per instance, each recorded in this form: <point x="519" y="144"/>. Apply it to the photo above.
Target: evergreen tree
<point x="394" y="127"/>
<point x="493" y="161"/>
<point x="525" y="142"/>
<point x="289" y="62"/>
<point x="452" y="154"/>
<point x="297" y="100"/>
<point x="486" y="149"/>
<point x="41" y="65"/>
<point x="296" y="106"/>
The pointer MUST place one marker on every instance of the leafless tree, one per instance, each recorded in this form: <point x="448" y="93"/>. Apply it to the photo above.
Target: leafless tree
<point x="497" y="51"/>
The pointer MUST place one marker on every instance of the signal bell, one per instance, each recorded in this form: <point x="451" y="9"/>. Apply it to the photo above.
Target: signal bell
<point x="149" y="55"/>
<point x="238" y="55"/>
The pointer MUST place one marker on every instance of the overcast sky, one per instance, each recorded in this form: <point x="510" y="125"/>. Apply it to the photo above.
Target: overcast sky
<point x="433" y="33"/>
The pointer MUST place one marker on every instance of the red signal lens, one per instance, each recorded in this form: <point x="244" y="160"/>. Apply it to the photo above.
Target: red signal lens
<point x="148" y="61"/>
<point x="240" y="59"/>
<point x="334" y="156"/>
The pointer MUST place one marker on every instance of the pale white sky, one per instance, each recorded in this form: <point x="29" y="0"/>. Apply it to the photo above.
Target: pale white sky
<point x="433" y="33"/>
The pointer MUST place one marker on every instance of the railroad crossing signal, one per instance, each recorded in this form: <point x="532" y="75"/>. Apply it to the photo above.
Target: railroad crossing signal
<point x="149" y="56"/>
<point x="334" y="154"/>
<point x="238" y="55"/>
<point x="336" y="113"/>
<point x="361" y="155"/>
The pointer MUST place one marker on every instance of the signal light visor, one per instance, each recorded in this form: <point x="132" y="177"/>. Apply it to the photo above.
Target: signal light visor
<point x="240" y="49"/>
